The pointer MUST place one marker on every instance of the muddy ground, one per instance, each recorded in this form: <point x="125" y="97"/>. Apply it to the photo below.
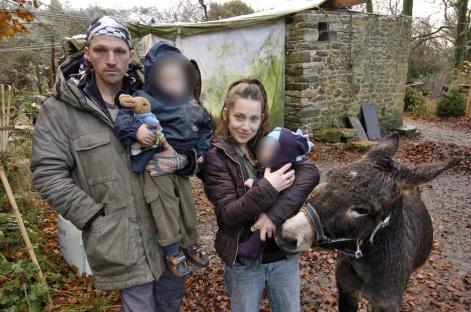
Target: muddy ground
<point x="442" y="284"/>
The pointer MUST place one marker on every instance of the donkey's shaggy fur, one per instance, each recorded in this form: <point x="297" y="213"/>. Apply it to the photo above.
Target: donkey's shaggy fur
<point x="355" y="199"/>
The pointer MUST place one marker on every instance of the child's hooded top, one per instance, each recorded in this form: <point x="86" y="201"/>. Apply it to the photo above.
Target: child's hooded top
<point x="292" y="146"/>
<point x="185" y="124"/>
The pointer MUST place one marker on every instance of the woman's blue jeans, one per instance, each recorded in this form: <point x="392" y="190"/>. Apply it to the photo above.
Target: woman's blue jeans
<point x="245" y="285"/>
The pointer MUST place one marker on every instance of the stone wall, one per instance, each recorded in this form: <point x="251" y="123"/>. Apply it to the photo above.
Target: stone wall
<point x="337" y="61"/>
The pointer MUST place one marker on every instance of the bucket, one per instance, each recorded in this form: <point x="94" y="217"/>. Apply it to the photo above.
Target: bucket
<point x="70" y="242"/>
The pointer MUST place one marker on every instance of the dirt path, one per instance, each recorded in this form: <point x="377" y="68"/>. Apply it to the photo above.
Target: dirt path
<point x="439" y="132"/>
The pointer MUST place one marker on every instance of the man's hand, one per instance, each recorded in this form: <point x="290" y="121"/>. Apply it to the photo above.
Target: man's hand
<point x="265" y="225"/>
<point x="145" y="136"/>
<point x="166" y="162"/>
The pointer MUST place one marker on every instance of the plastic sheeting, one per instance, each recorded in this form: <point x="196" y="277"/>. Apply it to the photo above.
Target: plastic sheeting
<point x="70" y="242"/>
<point x="257" y="51"/>
<point x="174" y="30"/>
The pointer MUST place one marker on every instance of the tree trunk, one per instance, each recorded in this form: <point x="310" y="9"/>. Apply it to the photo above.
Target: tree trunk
<point x="205" y="9"/>
<point x="461" y="33"/>
<point x="407" y="7"/>
<point x="468" y="36"/>
<point x="369" y="6"/>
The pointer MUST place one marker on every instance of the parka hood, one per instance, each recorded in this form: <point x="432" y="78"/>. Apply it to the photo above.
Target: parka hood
<point x="69" y="81"/>
<point x="159" y="54"/>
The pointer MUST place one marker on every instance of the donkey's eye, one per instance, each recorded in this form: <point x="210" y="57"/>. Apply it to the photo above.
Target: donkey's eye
<point x="359" y="210"/>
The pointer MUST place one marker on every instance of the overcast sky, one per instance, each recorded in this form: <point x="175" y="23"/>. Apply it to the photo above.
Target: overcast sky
<point x="422" y="8"/>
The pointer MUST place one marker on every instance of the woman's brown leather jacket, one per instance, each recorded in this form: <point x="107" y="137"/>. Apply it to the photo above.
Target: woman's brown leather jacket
<point x="237" y="207"/>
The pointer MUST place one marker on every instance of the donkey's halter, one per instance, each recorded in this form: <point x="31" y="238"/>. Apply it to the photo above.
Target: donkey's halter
<point x="349" y="246"/>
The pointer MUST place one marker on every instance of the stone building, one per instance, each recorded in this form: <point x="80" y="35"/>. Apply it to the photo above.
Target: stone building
<point x="337" y="61"/>
<point x="318" y="63"/>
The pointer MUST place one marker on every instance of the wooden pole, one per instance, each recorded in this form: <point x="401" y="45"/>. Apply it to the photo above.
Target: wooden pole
<point x="22" y="227"/>
<point x="3" y="144"/>
<point x="53" y="63"/>
<point x="468" y="106"/>
<point x="4" y="127"/>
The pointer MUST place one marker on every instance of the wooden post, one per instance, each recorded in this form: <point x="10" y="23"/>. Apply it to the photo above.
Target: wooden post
<point x="53" y="69"/>
<point x="4" y="127"/>
<point x="4" y="117"/>
<point x="468" y="106"/>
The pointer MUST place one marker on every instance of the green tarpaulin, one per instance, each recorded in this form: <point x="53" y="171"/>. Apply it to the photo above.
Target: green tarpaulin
<point x="172" y="31"/>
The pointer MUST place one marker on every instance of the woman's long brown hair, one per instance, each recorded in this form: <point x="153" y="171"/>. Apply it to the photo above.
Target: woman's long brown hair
<point x="252" y="89"/>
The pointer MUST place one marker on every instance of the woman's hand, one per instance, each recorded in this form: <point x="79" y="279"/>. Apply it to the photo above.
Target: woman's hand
<point x="280" y="179"/>
<point x="145" y="136"/>
<point x="265" y="225"/>
<point x="166" y="162"/>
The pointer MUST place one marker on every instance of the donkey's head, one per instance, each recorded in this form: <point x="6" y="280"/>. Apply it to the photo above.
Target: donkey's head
<point x="356" y="198"/>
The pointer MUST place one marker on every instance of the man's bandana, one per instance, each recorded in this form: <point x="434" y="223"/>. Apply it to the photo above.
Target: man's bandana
<point x="109" y="26"/>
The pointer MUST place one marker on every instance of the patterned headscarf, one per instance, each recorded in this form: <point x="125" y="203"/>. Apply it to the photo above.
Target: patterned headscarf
<point x="109" y="26"/>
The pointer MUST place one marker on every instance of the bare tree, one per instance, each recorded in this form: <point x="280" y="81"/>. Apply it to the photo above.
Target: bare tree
<point x="392" y="7"/>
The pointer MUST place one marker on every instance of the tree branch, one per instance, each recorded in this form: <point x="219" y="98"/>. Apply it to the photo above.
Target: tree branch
<point x="439" y="29"/>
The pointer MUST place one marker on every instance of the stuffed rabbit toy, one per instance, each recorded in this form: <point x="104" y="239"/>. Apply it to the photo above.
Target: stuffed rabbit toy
<point x="142" y="111"/>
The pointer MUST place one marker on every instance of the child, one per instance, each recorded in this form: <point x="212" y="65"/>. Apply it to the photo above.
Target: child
<point x="170" y="82"/>
<point x="279" y="147"/>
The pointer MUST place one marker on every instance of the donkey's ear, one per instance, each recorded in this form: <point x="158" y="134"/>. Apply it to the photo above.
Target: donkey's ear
<point x="387" y="147"/>
<point x="411" y="177"/>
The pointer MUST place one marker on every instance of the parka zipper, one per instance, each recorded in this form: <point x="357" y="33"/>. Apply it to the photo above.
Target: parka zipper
<point x="94" y="110"/>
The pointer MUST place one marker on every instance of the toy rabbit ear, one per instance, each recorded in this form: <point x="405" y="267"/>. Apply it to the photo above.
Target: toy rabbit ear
<point x="127" y="100"/>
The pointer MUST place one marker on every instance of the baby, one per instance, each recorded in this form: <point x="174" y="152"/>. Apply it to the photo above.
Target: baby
<point x="170" y="82"/>
<point x="279" y="147"/>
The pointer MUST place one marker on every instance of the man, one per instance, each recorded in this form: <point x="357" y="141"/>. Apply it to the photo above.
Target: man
<point x="83" y="171"/>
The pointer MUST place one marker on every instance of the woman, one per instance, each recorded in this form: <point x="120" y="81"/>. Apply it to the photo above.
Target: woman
<point x="240" y="210"/>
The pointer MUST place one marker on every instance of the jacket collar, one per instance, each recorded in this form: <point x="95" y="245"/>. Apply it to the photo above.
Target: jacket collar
<point x="224" y="143"/>
<point x="70" y="90"/>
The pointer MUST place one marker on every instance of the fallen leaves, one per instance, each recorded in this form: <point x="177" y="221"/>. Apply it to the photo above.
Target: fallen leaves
<point x="437" y="286"/>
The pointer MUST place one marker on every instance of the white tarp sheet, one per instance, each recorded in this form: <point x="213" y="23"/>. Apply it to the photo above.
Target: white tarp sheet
<point x="256" y="51"/>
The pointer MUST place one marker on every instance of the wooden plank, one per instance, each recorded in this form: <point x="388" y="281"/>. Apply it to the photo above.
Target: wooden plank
<point x="439" y="84"/>
<point x="371" y="121"/>
<point x="356" y="124"/>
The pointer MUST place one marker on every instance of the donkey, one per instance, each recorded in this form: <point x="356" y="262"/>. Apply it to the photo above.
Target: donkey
<point x="372" y="213"/>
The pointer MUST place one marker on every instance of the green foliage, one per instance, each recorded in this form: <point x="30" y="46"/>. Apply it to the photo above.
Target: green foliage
<point x="452" y="103"/>
<point x="413" y="100"/>
<point x="229" y="9"/>
<point x="32" y="110"/>
<point x="21" y="289"/>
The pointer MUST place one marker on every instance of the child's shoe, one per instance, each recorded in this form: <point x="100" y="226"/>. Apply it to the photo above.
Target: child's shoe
<point x="196" y="256"/>
<point x="177" y="265"/>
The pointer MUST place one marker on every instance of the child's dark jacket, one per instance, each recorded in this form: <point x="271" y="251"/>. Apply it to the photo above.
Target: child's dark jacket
<point x="186" y="125"/>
